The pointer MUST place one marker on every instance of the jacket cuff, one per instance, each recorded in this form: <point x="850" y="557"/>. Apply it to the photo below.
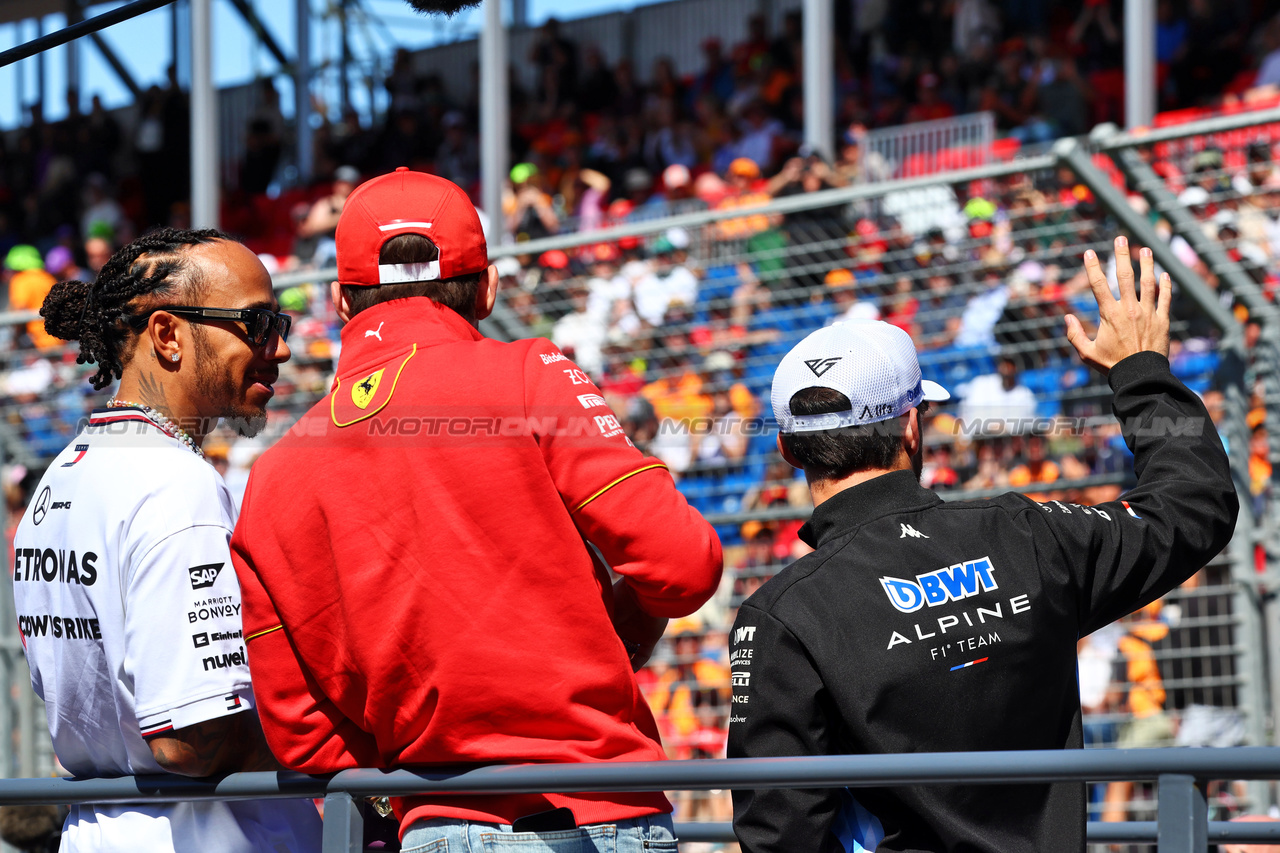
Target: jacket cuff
<point x="1136" y="367"/>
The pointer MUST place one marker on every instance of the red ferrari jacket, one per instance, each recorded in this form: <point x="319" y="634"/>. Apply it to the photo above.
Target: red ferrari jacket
<point x="418" y="588"/>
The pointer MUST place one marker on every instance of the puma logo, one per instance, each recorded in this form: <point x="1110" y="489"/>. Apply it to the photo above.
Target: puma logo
<point x="375" y="333"/>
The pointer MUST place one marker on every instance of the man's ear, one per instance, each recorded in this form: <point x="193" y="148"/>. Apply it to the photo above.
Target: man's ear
<point x="913" y="434"/>
<point x="786" y="454"/>
<point x="167" y="337"/>
<point x="340" y="303"/>
<point x="487" y="292"/>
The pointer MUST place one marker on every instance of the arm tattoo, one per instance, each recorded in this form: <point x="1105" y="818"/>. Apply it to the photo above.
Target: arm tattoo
<point x="221" y="745"/>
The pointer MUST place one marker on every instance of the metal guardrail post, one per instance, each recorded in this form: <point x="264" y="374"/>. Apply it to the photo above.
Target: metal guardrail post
<point x="343" y="824"/>
<point x="1182" y="823"/>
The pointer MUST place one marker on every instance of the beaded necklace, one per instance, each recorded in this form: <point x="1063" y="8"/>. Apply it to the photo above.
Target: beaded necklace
<point x="162" y="421"/>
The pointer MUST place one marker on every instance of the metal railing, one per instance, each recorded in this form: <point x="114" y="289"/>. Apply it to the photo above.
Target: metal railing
<point x="929" y="147"/>
<point x="1182" y="824"/>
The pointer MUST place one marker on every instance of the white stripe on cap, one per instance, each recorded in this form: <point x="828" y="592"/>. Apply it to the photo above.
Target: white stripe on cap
<point x="395" y="226"/>
<point x="405" y="273"/>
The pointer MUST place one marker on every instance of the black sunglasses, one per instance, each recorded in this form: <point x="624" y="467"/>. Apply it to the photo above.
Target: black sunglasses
<point x="257" y="322"/>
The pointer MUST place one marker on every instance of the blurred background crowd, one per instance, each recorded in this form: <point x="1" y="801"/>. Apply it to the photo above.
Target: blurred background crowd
<point x="682" y="327"/>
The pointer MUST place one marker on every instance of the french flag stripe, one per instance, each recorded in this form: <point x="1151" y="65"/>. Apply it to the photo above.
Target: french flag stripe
<point x="970" y="663"/>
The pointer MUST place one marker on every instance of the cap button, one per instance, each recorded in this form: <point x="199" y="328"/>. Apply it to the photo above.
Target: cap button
<point x="402" y="168"/>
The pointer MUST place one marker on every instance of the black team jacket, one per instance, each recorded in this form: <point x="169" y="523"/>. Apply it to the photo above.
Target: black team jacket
<point x="923" y="626"/>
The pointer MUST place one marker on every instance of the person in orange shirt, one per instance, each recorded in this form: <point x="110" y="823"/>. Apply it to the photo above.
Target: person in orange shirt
<point x="742" y="178"/>
<point x="29" y="284"/>
<point x="1037" y="469"/>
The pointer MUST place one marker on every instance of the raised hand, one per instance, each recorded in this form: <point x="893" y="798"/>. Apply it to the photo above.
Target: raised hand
<point x="1129" y="324"/>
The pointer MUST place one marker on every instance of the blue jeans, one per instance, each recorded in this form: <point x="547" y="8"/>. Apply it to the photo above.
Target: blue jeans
<point x="443" y="835"/>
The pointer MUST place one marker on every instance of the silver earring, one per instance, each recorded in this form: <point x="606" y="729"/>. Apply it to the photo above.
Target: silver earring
<point x="173" y="357"/>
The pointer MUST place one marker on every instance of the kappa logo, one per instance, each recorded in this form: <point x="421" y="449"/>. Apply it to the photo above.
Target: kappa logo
<point x="908" y="530"/>
<point x="375" y="333"/>
<point x="204" y="576"/>
<point x="590" y="401"/>
<point x="938" y="587"/>
<point x="820" y="366"/>
<point x="362" y="392"/>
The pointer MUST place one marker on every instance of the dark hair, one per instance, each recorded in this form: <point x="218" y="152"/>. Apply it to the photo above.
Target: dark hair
<point x="834" y="454"/>
<point x="97" y="314"/>
<point x="458" y="293"/>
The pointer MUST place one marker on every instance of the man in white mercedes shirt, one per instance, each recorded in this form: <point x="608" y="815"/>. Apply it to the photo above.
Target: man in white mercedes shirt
<point x="128" y="607"/>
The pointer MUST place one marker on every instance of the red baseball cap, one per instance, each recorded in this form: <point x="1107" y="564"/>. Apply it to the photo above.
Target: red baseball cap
<point x="408" y="202"/>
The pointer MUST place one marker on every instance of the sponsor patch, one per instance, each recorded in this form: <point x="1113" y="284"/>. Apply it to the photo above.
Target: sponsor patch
<point x="362" y="392"/>
<point x="203" y="577"/>
<point x="369" y="392"/>
<point x="951" y="583"/>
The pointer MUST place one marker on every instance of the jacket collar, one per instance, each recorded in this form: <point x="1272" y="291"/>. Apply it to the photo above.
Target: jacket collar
<point x="382" y="331"/>
<point x="897" y="491"/>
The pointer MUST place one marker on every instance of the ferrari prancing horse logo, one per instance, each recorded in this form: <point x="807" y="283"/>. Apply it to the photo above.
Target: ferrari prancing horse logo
<point x="362" y="392"/>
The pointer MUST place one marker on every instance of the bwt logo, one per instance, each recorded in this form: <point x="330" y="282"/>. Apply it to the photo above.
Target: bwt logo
<point x="933" y="588"/>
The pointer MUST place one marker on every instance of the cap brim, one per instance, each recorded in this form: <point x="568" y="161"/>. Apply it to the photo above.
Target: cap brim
<point x="933" y="391"/>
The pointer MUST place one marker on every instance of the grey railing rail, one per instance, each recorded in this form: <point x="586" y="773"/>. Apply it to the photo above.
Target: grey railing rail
<point x="1182" y="823"/>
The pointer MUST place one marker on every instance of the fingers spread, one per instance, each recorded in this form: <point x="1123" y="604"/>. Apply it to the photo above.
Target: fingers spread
<point x="1166" y="297"/>
<point x="1148" y="280"/>
<point x="1124" y="271"/>
<point x="1098" y="280"/>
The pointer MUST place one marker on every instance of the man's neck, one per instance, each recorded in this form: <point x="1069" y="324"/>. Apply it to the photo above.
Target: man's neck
<point x="824" y="490"/>
<point x="157" y="389"/>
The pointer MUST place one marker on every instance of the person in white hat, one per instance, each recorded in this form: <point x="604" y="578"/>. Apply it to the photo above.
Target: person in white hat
<point x="923" y="626"/>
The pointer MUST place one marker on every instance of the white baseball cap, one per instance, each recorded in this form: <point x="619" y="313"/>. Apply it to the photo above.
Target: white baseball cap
<point x="871" y="362"/>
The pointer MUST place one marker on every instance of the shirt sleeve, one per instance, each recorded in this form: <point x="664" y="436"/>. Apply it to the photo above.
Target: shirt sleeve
<point x="624" y="503"/>
<point x="305" y="729"/>
<point x="1119" y="556"/>
<point x="780" y="707"/>
<point x="184" y="650"/>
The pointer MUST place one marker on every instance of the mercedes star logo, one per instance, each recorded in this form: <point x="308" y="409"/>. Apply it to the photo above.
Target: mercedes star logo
<point x="42" y="506"/>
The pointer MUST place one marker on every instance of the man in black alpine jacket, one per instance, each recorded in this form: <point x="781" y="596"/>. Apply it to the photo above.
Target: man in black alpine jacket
<point x="923" y="626"/>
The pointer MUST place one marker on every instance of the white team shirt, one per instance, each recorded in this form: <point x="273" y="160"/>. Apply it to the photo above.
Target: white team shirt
<point x="129" y="612"/>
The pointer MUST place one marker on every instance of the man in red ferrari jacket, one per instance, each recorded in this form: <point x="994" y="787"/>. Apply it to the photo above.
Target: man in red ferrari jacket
<point x="416" y="559"/>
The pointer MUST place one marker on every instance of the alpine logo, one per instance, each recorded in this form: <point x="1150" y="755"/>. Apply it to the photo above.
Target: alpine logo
<point x="938" y="587"/>
<point x="908" y="530"/>
<point x="820" y="366"/>
<point x="204" y="576"/>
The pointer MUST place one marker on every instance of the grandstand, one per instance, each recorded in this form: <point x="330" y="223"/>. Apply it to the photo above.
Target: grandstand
<point x="678" y="292"/>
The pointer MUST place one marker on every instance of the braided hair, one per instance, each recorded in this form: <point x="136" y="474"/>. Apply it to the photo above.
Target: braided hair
<point x="97" y="314"/>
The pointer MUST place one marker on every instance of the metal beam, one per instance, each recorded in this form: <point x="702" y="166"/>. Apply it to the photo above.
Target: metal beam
<point x="494" y="133"/>
<point x="74" y="16"/>
<point x="1182" y="821"/>
<point x="1139" y="63"/>
<point x="84" y="28"/>
<point x="260" y="30"/>
<point x="204" y="119"/>
<point x="819" y="77"/>
<point x="302" y="90"/>
<point x="1137" y="224"/>
<point x="116" y="65"/>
